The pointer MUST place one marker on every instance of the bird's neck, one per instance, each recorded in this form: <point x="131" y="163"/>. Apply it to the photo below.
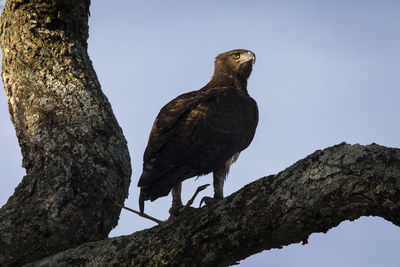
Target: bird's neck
<point x="223" y="79"/>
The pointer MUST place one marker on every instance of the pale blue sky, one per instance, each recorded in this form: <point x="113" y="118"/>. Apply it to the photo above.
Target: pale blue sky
<point x="326" y="72"/>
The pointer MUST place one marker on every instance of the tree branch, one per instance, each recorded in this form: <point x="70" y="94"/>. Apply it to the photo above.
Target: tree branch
<point x="340" y="183"/>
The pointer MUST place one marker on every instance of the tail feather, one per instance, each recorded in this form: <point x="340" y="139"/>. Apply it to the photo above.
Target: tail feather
<point x="141" y="202"/>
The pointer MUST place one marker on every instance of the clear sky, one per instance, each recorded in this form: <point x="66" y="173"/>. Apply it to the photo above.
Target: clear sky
<point x="326" y="72"/>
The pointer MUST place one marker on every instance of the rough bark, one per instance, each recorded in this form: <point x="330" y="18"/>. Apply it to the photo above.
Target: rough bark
<point x="340" y="183"/>
<point x="74" y="152"/>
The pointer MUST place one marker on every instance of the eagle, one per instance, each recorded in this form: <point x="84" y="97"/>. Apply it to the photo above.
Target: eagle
<point x="200" y="132"/>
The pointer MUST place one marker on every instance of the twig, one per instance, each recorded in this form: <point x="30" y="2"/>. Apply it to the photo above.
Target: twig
<point x="144" y="215"/>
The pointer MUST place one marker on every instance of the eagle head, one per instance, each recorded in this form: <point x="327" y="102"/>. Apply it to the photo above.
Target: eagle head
<point x="236" y="63"/>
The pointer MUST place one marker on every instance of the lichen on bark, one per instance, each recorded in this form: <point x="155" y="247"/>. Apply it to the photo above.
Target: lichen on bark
<point x="74" y="151"/>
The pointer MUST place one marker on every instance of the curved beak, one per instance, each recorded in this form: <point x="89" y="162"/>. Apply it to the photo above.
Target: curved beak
<point x="250" y="56"/>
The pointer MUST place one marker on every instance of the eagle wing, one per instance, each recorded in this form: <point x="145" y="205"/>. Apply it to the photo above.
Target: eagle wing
<point x="163" y="127"/>
<point x="194" y="134"/>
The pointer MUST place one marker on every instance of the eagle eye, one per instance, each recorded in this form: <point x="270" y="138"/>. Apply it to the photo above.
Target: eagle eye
<point x="236" y="56"/>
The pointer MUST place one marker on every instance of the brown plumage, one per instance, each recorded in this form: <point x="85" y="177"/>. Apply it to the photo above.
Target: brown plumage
<point x="201" y="131"/>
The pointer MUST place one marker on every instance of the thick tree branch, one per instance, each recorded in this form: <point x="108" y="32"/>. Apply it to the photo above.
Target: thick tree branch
<point x="340" y="183"/>
<point x="73" y="149"/>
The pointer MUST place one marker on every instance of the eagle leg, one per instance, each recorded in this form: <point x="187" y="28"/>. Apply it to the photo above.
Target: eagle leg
<point x="176" y="200"/>
<point x="219" y="176"/>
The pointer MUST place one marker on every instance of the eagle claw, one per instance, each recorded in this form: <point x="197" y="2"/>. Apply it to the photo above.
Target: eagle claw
<point x="207" y="201"/>
<point x="177" y="206"/>
<point x="175" y="210"/>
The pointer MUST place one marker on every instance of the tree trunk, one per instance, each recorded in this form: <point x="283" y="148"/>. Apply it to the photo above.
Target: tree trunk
<point x="339" y="183"/>
<point x="74" y="152"/>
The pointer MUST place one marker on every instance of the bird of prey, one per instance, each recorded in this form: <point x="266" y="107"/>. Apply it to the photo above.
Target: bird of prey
<point x="200" y="132"/>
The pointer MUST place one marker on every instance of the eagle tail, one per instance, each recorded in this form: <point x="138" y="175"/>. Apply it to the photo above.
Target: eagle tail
<point x="141" y="202"/>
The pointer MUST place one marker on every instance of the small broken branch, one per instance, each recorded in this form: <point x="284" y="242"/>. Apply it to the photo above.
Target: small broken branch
<point x="144" y="215"/>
